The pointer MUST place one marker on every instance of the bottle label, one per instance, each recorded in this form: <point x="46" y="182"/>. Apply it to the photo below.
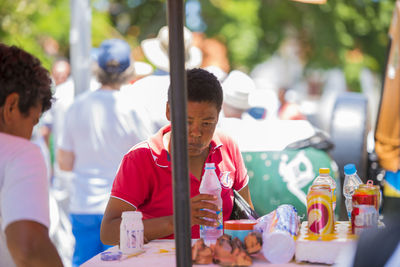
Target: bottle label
<point x="226" y="180"/>
<point x="134" y="239"/>
<point x="334" y="195"/>
<point x="219" y="221"/>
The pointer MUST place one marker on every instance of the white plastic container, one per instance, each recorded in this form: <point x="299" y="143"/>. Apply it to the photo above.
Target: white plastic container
<point x="278" y="229"/>
<point x="131" y="232"/>
<point x="210" y="184"/>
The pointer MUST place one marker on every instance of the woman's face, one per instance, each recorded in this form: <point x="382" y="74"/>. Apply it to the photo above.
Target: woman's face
<point x="18" y="123"/>
<point x="202" y="120"/>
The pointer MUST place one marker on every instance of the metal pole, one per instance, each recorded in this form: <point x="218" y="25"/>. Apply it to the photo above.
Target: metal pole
<point x="182" y="221"/>
<point x="80" y="43"/>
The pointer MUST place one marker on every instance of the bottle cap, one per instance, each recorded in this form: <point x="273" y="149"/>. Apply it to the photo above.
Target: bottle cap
<point x="324" y="170"/>
<point x="349" y="169"/>
<point x="210" y="165"/>
<point x="132" y="214"/>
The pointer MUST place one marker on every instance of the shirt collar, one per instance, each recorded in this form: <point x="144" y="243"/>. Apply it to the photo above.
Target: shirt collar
<point x="161" y="156"/>
<point x="159" y="153"/>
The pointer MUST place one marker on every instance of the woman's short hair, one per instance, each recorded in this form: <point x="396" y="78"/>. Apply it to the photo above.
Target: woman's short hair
<point x="22" y="73"/>
<point x="202" y="86"/>
<point x="106" y="78"/>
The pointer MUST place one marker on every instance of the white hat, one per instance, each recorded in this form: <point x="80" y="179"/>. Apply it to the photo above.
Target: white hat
<point x="142" y="68"/>
<point x="237" y="87"/>
<point x="156" y="50"/>
<point x="217" y="71"/>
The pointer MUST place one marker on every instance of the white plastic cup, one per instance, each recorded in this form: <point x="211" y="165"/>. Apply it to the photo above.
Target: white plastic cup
<point x="278" y="229"/>
<point x="278" y="247"/>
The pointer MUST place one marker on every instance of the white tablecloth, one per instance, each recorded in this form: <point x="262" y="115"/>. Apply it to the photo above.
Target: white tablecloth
<point x="162" y="253"/>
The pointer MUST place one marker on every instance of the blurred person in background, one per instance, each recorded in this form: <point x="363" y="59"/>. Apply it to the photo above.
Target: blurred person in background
<point x="49" y="129"/>
<point x="264" y="104"/>
<point x="215" y="55"/>
<point x="289" y="109"/>
<point x="236" y="87"/>
<point x="151" y="91"/>
<point x="24" y="94"/>
<point x="60" y="71"/>
<point x="64" y="93"/>
<point x="100" y="127"/>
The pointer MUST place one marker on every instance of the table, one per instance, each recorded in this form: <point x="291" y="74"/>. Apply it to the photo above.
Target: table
<point x="162" y="253"/>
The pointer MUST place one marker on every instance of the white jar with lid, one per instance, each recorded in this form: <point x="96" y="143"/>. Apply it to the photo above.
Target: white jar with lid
<point x="131" y="232"/>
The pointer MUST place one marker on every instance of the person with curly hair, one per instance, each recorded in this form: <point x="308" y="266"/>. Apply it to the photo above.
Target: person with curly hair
<point x="24" y="95"/>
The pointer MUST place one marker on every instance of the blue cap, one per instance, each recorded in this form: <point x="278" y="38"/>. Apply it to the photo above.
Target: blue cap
<point x="114" y="55"/>
<point x="349" y="169"/>
<point x="257" y="112"/>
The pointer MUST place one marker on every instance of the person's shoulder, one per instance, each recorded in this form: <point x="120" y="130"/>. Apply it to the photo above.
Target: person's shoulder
<point x="82" y="98"/>
<point x="11" y="140"/>
<point x="138" y="150"/>
<point x="224" y="138"/>
<point x="152" y="80"/>
<point x="14" y="145"/>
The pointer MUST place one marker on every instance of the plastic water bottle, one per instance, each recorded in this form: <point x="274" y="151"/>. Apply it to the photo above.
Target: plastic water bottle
<point x="210" y="185"/>
<point x="351" y="183"/>
<point x="325" y="179"/>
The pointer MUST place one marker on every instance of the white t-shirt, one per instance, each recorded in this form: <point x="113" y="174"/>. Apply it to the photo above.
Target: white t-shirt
<point x="23" y="186"/>
<point x="100" y="127"/>
<point x="64" y="96"/>
<point x="151" y="92"/>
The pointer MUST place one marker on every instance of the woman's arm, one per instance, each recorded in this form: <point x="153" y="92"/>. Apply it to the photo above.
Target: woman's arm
<point x="29" y="244"/>
<point x="157" y="227"/>
<point x="65" y="159"/>
<point x="153" y="228"/>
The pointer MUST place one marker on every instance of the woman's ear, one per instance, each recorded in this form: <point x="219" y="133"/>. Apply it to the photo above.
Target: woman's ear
<point x="168" y="112"/>
<point x="10" y="107"/>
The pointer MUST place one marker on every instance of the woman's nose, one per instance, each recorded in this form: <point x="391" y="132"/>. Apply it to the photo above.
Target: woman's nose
<point x="195" y="129"/>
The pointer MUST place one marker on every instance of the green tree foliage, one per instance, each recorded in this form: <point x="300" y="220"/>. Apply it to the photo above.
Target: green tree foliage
<point x="349" y="34"/>
<point x="31" y="24"/>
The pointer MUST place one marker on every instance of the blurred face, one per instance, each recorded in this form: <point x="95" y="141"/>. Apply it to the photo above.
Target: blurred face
<point x="60" y="72"/>
<point x="202" y="120"/>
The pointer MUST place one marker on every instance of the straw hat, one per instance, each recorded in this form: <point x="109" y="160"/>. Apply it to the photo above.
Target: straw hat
<point x="237" y="87"/>
<point x="156" y="50"/>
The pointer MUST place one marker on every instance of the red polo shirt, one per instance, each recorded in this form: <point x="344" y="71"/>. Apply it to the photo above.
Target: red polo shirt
<point x="144" y="178"/>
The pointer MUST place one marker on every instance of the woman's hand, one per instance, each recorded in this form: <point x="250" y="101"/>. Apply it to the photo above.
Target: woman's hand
<point x="202" y="209"/>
